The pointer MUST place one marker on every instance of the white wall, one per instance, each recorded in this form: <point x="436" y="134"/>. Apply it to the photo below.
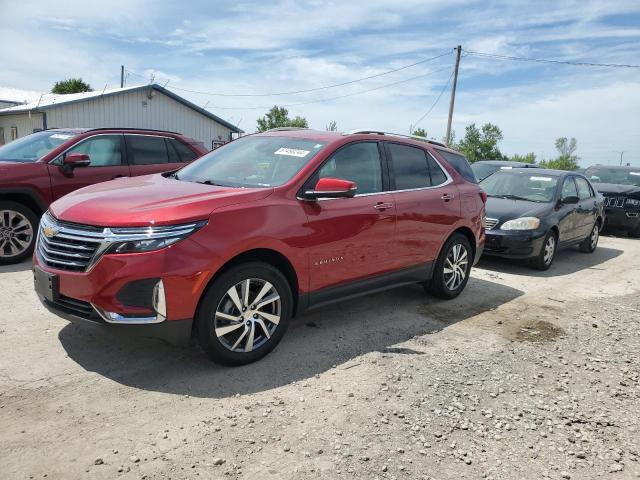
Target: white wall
<point x="135" y="109"/>
<point x="26" y="124"/>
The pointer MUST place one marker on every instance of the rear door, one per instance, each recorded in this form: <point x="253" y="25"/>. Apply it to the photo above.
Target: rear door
<point x="151" y="154"/>
<point x="568" y="222"/>
<point x="106" y="153"/>
<point x="427" y="204"/>
<point x="587" y="208"/>
<point x="351" y="238"/>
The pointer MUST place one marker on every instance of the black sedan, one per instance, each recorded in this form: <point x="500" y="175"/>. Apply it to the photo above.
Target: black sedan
<point x="621" y="189"/>
<point x="534" y="213"/>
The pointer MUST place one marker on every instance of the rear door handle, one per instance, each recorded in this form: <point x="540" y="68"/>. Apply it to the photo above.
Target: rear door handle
<point x="382" y="206"/>
<point x="447" y="196"/>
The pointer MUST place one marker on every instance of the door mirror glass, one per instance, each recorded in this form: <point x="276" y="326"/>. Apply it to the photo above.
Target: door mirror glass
<point x="73" y="160"/>
<point x="332" y="188"/>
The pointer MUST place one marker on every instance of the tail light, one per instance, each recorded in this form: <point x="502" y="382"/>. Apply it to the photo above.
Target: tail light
<point x="483" y="196"/>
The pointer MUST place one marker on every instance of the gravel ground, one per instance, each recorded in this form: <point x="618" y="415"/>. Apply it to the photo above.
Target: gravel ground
<point x="526" y="375"/>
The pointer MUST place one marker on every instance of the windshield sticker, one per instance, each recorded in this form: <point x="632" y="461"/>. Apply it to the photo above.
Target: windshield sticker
<point x="634" y="173"/>
<point x="541" y="179"/>
<point x="61" y="136"/>
<point x="317" y="145"/>
<point x="292" y="152"/>
<point x="506" y="168"/>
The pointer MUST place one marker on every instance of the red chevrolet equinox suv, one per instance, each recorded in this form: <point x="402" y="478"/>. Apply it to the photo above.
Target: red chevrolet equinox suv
<point x="232" y="246"/>
<point x="37" y="169"/>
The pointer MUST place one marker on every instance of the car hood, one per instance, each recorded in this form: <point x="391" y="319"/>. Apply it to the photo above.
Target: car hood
<point x="504" y="209"/>
<point x="616" y="188"/>
<point x="149" y="200"/>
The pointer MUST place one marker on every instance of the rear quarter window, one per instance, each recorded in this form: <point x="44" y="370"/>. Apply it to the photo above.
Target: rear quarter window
<point x="460" y="164"/>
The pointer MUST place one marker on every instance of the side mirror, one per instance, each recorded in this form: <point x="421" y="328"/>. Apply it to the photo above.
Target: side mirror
<point x="73" y="160"/>
<point x="570" y="200"/>
<point x="332" y="188"/>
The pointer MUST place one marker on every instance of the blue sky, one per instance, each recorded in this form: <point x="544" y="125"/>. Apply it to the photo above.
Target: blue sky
<point x="265" y="47"/>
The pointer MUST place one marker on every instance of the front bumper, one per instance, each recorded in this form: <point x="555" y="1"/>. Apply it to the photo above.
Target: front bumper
<point x="102" y="296"/>
<point x="621" y="218"/>
<point x="513" y="244"/>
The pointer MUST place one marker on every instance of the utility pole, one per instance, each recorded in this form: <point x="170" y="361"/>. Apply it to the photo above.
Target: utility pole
<point x="621" y="154"/>
<point x="453" y="93"/>
<point x="121" y="76"/>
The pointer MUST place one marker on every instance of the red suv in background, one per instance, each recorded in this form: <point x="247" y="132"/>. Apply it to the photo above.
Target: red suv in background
<point x="235" y="244"/>
<point x="37" y="169"/>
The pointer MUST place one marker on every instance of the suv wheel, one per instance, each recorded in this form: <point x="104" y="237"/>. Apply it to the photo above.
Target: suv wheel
<point x="548" y="252"/>
<point x="590" y="243"/>
<point x="18" y="225"/>
<point x="244" y="314"/>
<point x="452" y="269"/>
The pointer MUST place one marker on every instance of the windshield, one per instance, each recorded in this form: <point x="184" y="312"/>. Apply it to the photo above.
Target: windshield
<point x="482" y="170"/>
<point x="521" y="184"/>
<point x="35" y="146"/>
<point x="621" y="176"/>
<point x="252" y="162"/>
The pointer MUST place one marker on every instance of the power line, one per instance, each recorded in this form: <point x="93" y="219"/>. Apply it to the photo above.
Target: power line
<point x="321" y="100"/>
<point x="415" y="124"/>
<point x="295" y="92"/>
<point x="544" y="60"/>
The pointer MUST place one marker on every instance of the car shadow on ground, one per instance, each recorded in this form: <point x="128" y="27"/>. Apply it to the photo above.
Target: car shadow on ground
<point x="16" y="267"/>
<point x="314" y="343"/>
<point x="566" y="262"/>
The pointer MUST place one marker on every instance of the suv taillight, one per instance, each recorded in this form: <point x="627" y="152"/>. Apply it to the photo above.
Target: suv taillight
<point x="483" y="196"/>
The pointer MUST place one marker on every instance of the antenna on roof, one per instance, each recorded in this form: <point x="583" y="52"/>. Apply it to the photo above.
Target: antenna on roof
<point x="39" y="100"/>
<point x="166" y="83"/>
<point x="105" y="87"/>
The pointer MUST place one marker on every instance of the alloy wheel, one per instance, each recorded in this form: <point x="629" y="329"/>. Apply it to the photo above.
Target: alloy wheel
<point x="595" y="235"/>
<point x="248" y="315"/>
<point x="455" y="266"/>
<point x="16" y="233"/>
<point x="549" y="249"/>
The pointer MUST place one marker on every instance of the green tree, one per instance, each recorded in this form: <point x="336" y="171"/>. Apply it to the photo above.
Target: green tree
<point x="278" y="117"/>
<point x="481" y="144"/>
<point x="71" y="85"/>
<point x="567" y="158"/>
<point x="528" y="158"/>
<point x="420" y="132"/>
<point x="332" y="127"/>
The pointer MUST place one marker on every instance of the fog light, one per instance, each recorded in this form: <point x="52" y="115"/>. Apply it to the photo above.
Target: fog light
<point x="159" y="302"/>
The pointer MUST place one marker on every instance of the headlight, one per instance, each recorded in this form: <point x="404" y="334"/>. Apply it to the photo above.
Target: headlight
<point x="524" y="223"/>
<point x="633" y="202"/>
<point x="147" y="239"/>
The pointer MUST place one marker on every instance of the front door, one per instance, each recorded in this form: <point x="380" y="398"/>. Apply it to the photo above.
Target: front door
<point x="587" y="208"/>
<point x="351" y="238"/>
<point x="107" y="162"/>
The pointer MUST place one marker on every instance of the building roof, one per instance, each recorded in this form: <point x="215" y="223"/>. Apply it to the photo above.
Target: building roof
<point x="51" y="100"/>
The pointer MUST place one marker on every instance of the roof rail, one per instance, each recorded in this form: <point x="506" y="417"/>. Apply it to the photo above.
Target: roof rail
<point x="286" y="129"/>
<point x="380" y="132"/>
<point x="134" y="129"/>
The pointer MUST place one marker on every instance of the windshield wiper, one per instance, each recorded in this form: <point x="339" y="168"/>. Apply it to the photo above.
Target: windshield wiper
<point x="512" y="197"/>
<point x="209" y="182"/>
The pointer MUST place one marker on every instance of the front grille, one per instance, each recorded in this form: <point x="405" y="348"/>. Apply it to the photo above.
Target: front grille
<point x="614" y="201"/>
<point x="67" y="246"/>
<point x="489" y="223"/>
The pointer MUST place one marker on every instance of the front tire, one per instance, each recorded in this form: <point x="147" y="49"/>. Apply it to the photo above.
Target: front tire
<point x="590" y="243"/>
<point x="452" y="269"/>
<point x="244" y="314"/>
<point x="18" y="227"/>
<point x="548" y="252"/>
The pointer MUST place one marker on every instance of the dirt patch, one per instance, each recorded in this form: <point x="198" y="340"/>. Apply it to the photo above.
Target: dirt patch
<point x="538" y="332"/>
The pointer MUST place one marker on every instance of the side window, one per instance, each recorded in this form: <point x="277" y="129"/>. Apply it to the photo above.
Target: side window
<point x="569" y="188"/>
<point x="410" y="167"/>
<point x="460" y="164"/>
<point x="185" y="153"/>
<point x="358" y="162"/>
<point x="147" y="150"/>
<point x="103" y="150"/>
<point x="438" y="177"/>
<point x="584" y="189"/>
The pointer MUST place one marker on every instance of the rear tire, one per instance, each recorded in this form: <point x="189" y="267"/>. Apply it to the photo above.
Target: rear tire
<point x="452" y="269"/>
<point x="237" y="325"/>
<point x="18" y="229"/>
<point x="548" y="252"/>
<point x="590" y="243"/>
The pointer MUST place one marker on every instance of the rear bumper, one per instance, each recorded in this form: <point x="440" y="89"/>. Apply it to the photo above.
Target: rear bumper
<point x="513" y="244"/>
<point x="622" y="218"/>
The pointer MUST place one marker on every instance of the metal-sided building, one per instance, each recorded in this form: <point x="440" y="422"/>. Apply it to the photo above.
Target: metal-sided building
<point x="147" y="106"/>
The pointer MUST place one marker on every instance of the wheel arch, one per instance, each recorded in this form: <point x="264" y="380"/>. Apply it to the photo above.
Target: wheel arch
<point x="25" y="197"/>
<point x="467" y="232"/>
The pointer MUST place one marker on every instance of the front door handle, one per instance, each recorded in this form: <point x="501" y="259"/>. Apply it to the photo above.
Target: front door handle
<point x="382" y="206"/>
<point x="448" y="196"/>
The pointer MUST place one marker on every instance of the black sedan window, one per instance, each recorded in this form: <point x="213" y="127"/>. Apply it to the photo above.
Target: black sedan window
<point x="521" y="185"/>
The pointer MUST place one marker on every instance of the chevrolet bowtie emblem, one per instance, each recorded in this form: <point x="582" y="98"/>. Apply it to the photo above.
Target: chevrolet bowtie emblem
<point x="50" y="232"/>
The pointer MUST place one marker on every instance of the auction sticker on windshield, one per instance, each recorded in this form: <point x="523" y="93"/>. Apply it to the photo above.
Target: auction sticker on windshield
<point x="292" y="152"/>
<point x="541" y="179"/>
<point x="61" y="136"/>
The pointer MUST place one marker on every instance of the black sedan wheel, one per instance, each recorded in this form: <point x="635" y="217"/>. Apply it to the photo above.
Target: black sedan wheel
<point x="548" y="252"/>
<point x="590" y="243"/>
